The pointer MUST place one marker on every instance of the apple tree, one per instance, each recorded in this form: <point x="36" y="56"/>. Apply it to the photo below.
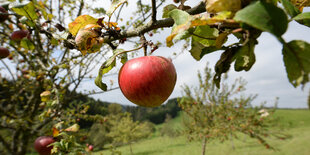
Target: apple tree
<point x="57" y="45"/>
<point x="212" y="113"/>
<point x="39" y="75"/>
<point x="124" y="130"/>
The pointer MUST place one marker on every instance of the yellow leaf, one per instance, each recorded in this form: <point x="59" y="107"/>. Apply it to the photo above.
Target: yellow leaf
<point x="215" y="6"/>
<point x="55" y="132"/>
<point x="81" y="22"/>
<point x="73" y="128"/>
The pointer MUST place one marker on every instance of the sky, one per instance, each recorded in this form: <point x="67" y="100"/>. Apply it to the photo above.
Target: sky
<point x="267" y="78"/>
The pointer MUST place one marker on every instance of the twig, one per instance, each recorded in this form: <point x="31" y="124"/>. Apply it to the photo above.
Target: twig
<point x="100" y="92"/>
<point x="81" y="8"/>
<point x="144" y="44"/>
<point x="9" y="70"/>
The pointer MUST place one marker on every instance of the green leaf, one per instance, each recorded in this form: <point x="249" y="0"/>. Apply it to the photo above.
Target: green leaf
<point x="106" y="67"/>
<point x="296" y="57"/>
<point x="180" y="17"/>
<point x="54" y="41"/>
<point x="24" y="9"/>
<point x="81" y="22"/>
<point x="205" y="35"/>
<point x="223" y="65"/>
<point x="290" y="8"/>
<point x="203" y="41"/>
<point x="245" y="56"/>
<point x="124" y="58"/>
<point x="198" y="50"/>
<point x="167" y="9"/>
<point x="27" y="44"/>
<point x="180" y="27"/>
<point x="115" y="4"/>
<point x="264" y="16"/>
<point x="303" y="18"/>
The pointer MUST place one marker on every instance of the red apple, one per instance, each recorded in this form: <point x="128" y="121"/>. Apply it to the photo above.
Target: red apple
<point x="19" y="35"/>
<point x="147" y="81"/>
<point x="90" y="147"/>
<point x="41" y="144"/>
<point x="3" y="17"/>
<point x="4" y="52"/>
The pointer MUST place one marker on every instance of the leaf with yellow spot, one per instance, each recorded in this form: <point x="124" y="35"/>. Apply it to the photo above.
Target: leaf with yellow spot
<point x="80" y="22"/>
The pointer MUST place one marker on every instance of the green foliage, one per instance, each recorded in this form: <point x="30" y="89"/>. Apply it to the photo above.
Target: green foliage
<point x="98" y="134"/>
<point x="115" y="109"/>
<point x="124" y="130"/>
<point x="295" y="57"/>
<point x="40" y="63"/>
<point x="168" y="129"/>
<point x="67" y="144"/>
<point x="265" y="17"/>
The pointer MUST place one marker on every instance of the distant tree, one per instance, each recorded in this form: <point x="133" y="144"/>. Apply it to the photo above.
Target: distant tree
<point x="114" y="109"/>
<point x="126" y="131"/>
<point x="212" y="113"/>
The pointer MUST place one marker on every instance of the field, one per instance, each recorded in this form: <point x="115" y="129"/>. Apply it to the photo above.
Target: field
<point x="293" y="122"/>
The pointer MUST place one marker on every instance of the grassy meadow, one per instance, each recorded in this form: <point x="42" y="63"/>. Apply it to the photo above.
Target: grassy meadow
<point x="293" y="122"/>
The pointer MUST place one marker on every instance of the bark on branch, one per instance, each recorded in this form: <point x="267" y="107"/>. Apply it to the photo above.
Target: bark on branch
<point x="151" y="25"/>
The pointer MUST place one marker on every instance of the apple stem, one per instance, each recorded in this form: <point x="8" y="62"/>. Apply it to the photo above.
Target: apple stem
<point x="144" y="44"/>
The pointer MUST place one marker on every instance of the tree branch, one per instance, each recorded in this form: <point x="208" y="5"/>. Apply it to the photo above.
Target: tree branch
<point x="154" y="11"/>
<point x="168" y="22"/>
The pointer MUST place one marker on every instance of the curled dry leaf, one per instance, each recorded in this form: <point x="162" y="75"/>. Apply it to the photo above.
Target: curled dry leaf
<point x="88" y="39"/>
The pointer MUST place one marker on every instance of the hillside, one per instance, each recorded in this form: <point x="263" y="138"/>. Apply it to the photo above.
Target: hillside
<point x="293" y="122"/>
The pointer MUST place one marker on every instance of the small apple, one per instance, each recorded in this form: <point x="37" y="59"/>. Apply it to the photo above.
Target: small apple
<point x="4" y="52"/>
<point x="90" y="147"/>
<point x="3" y="17"/>
<point x="41" y="144"/>
<point x="19" y="35"/>
<point x="147" y="81"/>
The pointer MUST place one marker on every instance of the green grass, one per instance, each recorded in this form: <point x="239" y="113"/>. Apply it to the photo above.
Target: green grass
<point x="296" y="123"/>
